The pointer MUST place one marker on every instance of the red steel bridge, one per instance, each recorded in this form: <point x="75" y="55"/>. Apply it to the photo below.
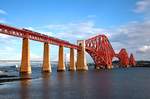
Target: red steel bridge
<point x="98" y="47"/>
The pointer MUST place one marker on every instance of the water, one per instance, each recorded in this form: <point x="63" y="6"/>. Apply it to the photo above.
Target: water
<point x="119" y="83"/>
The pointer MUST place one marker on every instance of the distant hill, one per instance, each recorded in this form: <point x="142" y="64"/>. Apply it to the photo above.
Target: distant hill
<point x="143" y="63"/>
<point x="140" y="63"/>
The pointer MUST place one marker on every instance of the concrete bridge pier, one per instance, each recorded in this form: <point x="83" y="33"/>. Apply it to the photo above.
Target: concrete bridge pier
<point x="25" y="60"/>
<point x="81" y="58"/>
<point x="61" y="64"/>
<point x="109" y="66"/>
<point x="72" y="61"/>
<point x="46" y="63"/>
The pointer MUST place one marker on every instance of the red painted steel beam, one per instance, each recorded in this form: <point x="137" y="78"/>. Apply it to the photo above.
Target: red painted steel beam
<point x="100" y="50"/>
<point x="123" y="57"/>
<point x="24" y="33"/>
<point x="132" y="61"/>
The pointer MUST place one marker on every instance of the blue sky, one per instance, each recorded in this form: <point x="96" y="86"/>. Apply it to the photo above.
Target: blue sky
<point x="125" y="22"/>
<point x="42" y="12"/>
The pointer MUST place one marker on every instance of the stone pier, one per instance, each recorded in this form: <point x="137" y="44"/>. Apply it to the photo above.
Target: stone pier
<point x="81" y="58"/>
<point x="46" y="59"/>
<point x="72" y="61"/>
<point x="25" y="60"/>
<point x="61" y="64"/>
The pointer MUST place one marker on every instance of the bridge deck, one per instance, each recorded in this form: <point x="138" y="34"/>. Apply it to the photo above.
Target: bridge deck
<point x="24" y="33"/>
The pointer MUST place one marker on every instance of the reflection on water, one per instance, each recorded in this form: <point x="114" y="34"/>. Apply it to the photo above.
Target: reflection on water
<point x="24" y="86"/>
<point x="105" y="86"/>
<point x="45" y="85"/>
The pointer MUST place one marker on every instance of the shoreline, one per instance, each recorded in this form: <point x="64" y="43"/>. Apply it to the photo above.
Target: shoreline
<point x="11" y="78"/>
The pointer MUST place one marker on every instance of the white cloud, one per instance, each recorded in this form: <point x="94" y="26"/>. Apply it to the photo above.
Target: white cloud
<point x="74" y="30"/>
<point x="30" y="28"/>
<point x="7" y="48"/>
<point x="142" y="6"/>
<point x="144" y="49"/>
<point x="8" y="52"/>
<point x="3" y="12"/>
<point x="4" y="36"/>
<point x="134" y="36"/>
<point x="38" y="29"/>
<point x="35" y="56"/>
<point x="67" y="57"/>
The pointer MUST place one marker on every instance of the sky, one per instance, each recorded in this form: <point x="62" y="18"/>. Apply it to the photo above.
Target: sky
<point x="125" y="22"/>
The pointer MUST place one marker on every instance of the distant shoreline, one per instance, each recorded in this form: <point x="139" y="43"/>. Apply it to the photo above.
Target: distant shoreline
<point x="139" y="63"/>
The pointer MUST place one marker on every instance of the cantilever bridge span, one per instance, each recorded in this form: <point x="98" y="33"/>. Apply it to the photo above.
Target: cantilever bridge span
<point x="98" y="47"/>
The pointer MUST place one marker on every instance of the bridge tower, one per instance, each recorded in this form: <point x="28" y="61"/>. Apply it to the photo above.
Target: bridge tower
<point x="81" y="58"/>
<point x="101" y="51"/>
<point x="132" y="60"/>
<point x="123" y="57"/>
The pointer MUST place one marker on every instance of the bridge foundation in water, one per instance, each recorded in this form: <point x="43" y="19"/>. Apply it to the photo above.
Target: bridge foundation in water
<point x="46" y="63"/>
<point x="61" y="64"/>
<point x="72" y="61"/>
<point x="25" y="60"/>
<point x="81" y="58"/>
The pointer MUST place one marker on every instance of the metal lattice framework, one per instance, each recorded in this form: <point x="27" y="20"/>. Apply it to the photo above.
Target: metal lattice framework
<point x="132" y="61"/>
<point x="123" y="57"/>
<point x="100" y="50"/>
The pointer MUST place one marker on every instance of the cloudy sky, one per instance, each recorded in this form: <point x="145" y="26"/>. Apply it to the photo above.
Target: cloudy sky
<point x="125" y="22"/>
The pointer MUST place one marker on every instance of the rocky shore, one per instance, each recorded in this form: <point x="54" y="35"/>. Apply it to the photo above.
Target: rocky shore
<point x="5" y="77"/>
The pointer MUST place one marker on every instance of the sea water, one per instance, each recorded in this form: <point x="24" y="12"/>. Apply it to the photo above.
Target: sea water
<point x="118" y="83"/>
